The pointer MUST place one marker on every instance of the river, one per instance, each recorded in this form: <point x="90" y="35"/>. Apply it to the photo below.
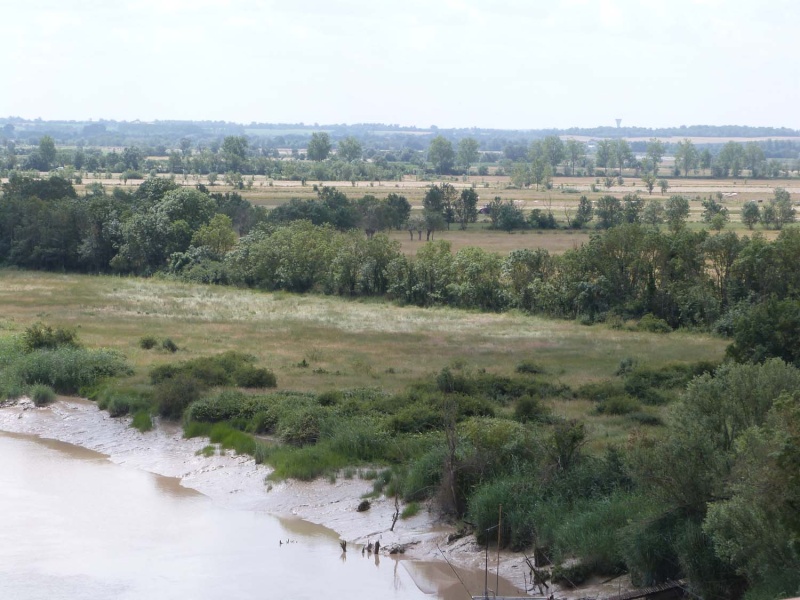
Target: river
<point x="77" y="526"/>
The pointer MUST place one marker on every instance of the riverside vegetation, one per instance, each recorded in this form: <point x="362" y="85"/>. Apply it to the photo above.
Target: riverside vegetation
<point x="701" y="483"/>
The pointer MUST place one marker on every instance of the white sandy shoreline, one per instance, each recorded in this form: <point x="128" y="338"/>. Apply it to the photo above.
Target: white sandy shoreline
<point x="238" y="482"/>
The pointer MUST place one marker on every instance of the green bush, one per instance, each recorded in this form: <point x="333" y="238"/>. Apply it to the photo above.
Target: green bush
<point x="424" y="475"/>
<point x="173" y="395"/>
<point x="251" y="377"/>
<point x="170" y="346"/>
<point x="148" y="342"/>
<point x="529" y="367"/>
<point x="530" y="410"/>
<point x="228" y="368"/>
<point x="306" y="463"/>
<point x="68" y="369"/>
<point x="43" y="337"/>
<point x="42" y="395"/>
<point x="618" y="405"/>
<point x="644" y="418"/>
<point x="653" y="324"/>
<point x="142" y="421"/>
<point x="301" y="427"/>
<point x="600" y="391"/>
<point x="410" y="510"/>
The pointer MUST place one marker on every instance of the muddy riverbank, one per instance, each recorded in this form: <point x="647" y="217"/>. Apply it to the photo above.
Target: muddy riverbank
<point x="236" y="481"/>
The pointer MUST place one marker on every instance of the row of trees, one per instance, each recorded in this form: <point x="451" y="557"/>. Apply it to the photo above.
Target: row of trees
<point x="686" y="278"/>
<point x="347" y="160"/>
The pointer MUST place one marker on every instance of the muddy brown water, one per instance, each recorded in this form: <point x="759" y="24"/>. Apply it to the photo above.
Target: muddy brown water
<point x="76" y="526"/>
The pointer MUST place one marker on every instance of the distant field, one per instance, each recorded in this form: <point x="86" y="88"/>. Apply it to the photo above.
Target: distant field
<point x="344" y="344"/>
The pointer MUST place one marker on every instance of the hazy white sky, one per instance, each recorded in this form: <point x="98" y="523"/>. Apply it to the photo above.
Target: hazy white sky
<point x="452" y="63"/>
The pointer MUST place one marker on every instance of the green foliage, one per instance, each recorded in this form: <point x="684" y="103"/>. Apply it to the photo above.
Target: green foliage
<point x="142" y="421"/>
<point x="228" y="368"/>
<point x="410" y="510"/>
<point x="43" y="337"/>
<point x="148" y="342"/>
<point x="172" y="395"/>
<point x="168" y="345"/>
<point x="68" y="369"/>
<point x="42" y="395"/>
<point x="653" y="324"/>
<point x="769" y="329"/>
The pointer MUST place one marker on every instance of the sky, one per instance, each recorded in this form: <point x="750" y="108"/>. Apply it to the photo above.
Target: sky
<point x="509" y="64"/>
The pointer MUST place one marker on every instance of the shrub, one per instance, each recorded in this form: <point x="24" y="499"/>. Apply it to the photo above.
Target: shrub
<point x="424" y="475"/>
<point x="644" y="418"/>
<point x="305" y="463"/>
<point x="170" y="346"/>
<point x="653" y="324"/>
<point x="148" y="342"/>
<point x="228" y="368"/>
<point x="173" y="395"/>
<point x="330" y="398"/>
<point x="142" y="421"/>
<point x="530" y="410"/>
<point x="42" y="395"/>
<point x="410" y="510"/>
<point x="301" y="427"/>
<point x="251" y="377"/>
<point x="43" y="337"/>
<point x="600" y="390"/>
<point x="529" y="367"/>
<point x="68" y="369"/>
<point x="618" y="405"/>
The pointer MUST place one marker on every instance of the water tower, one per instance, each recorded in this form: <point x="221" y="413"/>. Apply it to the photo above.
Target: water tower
<point x="618" y="122"/>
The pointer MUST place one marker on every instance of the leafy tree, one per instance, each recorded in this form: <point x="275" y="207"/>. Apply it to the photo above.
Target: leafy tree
<point x="234" y="151"/>
<point x="686" y="156"/>
<point x="399" y="210"/>
<point x="730" y="160"/>
<point x="649" y="181"/>
<point x="770" y="329"/>
<point x="375" y="215"/>
<point x="466" y="207"/>
<point x="441" y="198"/>
<point x="604" y="153"/>
<point x="653" y="213"/>
<point x="319" y="146"/>
<point x="712" y="208"/>
<point x="621" y="153"/>
<point x="521" y="176"/>
<point x="553" y="149"/>
<point x="632" y="207"/>
<point x="705" y="159"/>
<point x="349" y="149"/>
<point x="47" y="152"/>
<point x="663" y="184"/>
<point x="676" y="211"/>
<point x="608" y="212"/>
<point x="655" y="154"/>
<point x="584" y="213"/>
<point x="750" y="214"/>
<point x="217" y="235"/>
<point x="575" y="151"/>
<point x="476" y="280"/>
<point x="132" y="157"/>
<point x="781" y="211"/>
<point x="441" y="154"/>
<point x="510" y="217"/>
<point x="754" y="158"/>
<point x="467" y="152"/>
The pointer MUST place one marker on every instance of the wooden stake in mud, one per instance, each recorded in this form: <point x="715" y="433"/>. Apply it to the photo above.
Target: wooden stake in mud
<point x="499" y="529"/>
